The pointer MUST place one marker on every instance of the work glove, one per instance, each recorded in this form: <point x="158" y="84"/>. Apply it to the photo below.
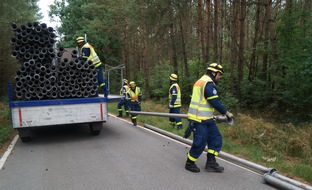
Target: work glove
<point x="170" y="106"/>
<point x="229" y="114"/>
<point x="188" y="131"/>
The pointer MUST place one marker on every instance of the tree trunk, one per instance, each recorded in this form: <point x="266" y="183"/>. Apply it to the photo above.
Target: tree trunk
<point x="241" y="48"/>
<point x="136" y="57"/>
<point x="145" y="67"/>
<point x="252" y="66"/>
<point x="126" y="49"/>
<point x="267" y="18"/>
<point x="201" y="28"/>
<point x="174" y="51"/>
<point x="207" y="31"/>
<point x="215" y="31"/>
<point x="275" y="58"/>
<point x="233" y="54"/>
<point x="184" y="49"/>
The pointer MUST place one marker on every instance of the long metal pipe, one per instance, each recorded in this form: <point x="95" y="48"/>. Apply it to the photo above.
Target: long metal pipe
<point x="172" y="115"/>
<point x="218" y="118"/>
<point x="270" y="175"/>
<point x="291" y="181"/>
<point x="280" y="184"/>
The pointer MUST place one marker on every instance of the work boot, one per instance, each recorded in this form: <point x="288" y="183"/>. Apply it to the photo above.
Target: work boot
<point x="134" y="122"/>
<point x="191" y="166"/>
<point x="212" y="165"/>
<point x="119" y="114"/>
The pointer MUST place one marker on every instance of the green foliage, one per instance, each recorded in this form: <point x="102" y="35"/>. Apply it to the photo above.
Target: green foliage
<point x="99" y="26"/>
<point x="159" y="82"/>
<point x="5" y="123"/>
<point x="255" y="93"/>
<point x="295" y="46"/>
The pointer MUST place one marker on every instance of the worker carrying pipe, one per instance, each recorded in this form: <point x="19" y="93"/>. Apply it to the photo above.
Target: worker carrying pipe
<point x="204" y="101"/>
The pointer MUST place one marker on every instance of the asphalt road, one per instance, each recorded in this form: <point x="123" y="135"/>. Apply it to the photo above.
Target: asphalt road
<point x="121" y="157"/>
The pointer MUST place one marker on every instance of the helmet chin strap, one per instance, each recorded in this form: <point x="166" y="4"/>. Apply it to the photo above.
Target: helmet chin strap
<point x="213" y="76"/>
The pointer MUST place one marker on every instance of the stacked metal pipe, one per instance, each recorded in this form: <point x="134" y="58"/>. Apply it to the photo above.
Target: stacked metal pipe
<point x="77" y="79"/>
<point x="42" y="73"/>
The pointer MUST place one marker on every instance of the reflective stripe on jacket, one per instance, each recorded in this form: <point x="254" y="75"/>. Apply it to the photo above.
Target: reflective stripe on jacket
<point x="177" y="102"/>
<point x="93" y="56"/>
<point x="199" y="108"/>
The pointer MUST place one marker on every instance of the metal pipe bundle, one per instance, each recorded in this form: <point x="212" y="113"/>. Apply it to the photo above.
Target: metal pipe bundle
<point x="42" y="74"/>
<point x="69" y="73"/>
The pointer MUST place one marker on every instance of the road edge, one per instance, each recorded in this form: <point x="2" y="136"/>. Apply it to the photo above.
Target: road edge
<point x="8" y="151"/>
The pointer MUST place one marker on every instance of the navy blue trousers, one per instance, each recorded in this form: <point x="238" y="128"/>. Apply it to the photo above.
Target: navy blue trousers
<point x="123" y="103"/>
<point x="205" y="133"/>
<point x="101" y="81"/>
<point x="178" y="121"/>
<point x="134" y="106"/>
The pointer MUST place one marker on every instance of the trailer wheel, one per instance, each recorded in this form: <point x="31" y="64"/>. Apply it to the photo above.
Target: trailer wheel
<point x="24" y="134"/>
<point x="25" y="139"/>
<point x="96" y="128"/>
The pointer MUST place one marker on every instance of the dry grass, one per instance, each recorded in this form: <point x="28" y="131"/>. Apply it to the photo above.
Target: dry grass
<point x="282" y="146"/>
<point x="283" y="139"/>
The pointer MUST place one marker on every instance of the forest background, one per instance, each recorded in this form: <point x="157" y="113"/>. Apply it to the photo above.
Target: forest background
<point x="265" y="47"/>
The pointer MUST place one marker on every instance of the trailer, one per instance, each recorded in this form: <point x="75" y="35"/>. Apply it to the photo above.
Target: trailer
<point x="27" y="115"/>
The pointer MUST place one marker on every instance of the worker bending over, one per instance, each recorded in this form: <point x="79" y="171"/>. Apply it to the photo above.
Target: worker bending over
<point x="124" y="101"/>
<point x="135" y="95"/>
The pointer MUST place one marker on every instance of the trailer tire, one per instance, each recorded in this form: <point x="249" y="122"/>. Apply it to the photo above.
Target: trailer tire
<point x="95" y="133"/>
<point x="96" y="128"/>
<point x="25" y="134"/>
<point x="25" y="139"/>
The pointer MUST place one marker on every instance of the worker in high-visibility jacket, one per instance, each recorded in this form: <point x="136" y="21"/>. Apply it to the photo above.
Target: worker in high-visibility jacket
<point x="135" y="95"/>
<point x="87" y="53"/>
<point x="124" y="101"/>
<point x="204" y="101"/>
<point x="175" y="101"/>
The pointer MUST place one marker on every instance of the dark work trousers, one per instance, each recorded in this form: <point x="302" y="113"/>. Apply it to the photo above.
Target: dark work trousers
<point x="134" y="106"/>
<point x="205" y="132"/>
<point x="177" y="121"/>
<point x="124" y="103"/>
<point x="101" y="81"/>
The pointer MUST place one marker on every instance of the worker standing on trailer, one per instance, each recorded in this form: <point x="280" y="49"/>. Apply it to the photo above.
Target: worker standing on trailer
<point x="175" y="101"/>
<point x="87" y="53"/>
<point x="200" y="115"/>
<point x="124" y="101"/>
<point x="135" y="95"/>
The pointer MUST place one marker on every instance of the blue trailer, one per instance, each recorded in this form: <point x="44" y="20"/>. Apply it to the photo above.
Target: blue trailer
<point x="26" y="115"/>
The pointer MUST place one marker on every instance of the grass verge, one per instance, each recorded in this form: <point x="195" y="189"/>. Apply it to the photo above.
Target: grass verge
<point x="6" y="129"/>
